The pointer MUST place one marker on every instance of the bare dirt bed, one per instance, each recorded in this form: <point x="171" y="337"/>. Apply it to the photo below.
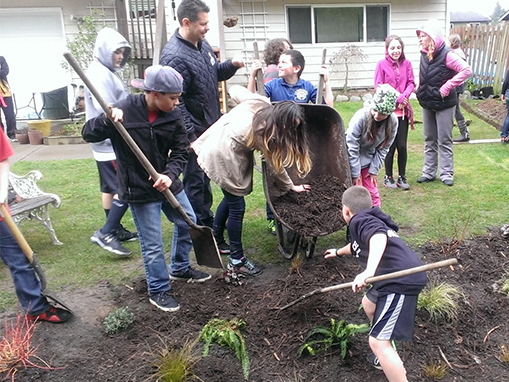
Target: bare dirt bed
<point x="472" y="345"/>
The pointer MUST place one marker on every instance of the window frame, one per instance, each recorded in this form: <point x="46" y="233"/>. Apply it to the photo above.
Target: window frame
<point x="364" y="21"/>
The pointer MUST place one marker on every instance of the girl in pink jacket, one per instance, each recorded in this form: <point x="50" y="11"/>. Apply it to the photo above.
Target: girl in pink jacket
<point x="397" y="71"/>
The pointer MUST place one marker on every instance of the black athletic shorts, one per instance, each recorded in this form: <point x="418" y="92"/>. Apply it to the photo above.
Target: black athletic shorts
<point x="108" y="176"/>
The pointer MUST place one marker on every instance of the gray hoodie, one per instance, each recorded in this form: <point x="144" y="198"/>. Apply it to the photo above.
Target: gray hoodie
<point x="108" y="83"/>
<point x="363" y="153"/>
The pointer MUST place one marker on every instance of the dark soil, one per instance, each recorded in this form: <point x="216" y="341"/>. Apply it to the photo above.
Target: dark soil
<point x="315" y="212"/>
<point x="471" y="345"/>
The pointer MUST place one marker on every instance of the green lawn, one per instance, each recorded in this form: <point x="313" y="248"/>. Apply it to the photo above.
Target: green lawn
<point x="426" y="212"/>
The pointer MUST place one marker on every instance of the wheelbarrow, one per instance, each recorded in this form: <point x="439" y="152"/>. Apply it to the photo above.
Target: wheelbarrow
<point x="327" y="145"/>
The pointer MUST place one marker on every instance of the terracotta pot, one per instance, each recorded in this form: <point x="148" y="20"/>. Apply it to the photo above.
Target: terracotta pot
<point x="22" y="138"/>
<point x="35" y="137"/>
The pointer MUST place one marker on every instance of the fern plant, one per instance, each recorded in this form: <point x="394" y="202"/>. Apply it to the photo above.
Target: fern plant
<point x="322" y="338"/>
<point x="226" y="333"/>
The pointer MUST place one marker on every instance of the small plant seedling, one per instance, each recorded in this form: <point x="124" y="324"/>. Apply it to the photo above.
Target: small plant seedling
<point x="297" y="263"/>
<point x="118" y="320"/>
<point x="434" y="371"/>
<point x="322" y="338"/>
<point x="226" y="333"/>
<point x="504" y="354"/>
<point x="440" y="301"/>
<point x="175" y="365"/>
<point x="505" y="286"/>
<point x="16" y="349"/>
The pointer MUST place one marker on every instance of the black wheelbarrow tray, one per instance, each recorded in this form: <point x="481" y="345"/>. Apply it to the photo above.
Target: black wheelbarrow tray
<point x="327" y="145"/>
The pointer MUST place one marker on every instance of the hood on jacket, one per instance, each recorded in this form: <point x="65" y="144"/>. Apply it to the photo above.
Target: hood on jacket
<point x="377" y="212"/>
<point x="434" y="31"/>
<point x="107" y="42"/>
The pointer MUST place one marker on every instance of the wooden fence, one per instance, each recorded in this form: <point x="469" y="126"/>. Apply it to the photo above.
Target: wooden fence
<point x="487" y="49"/>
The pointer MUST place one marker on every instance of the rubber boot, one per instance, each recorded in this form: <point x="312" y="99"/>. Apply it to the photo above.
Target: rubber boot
<point x="464" y="133"/>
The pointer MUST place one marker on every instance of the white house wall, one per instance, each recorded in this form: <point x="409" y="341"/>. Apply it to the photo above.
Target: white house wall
<point x="405" y="17"/>
<point x="35" y="61"/>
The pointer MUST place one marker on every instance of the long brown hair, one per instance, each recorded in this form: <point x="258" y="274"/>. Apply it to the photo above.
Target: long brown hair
<point x="374" y="127"/>
<point x="282" y="136"/>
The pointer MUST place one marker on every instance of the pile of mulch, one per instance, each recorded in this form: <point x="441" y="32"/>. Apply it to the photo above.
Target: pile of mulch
<point x="316" y="212"/>
<point x="470" y="347"/>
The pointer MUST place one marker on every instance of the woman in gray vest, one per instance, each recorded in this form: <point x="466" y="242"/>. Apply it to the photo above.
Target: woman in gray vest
<point x="441" y="71"/>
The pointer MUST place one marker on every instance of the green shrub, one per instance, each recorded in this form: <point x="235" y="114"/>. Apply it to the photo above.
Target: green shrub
<point x="322" y="338"/>
<point x="118" y="320"/>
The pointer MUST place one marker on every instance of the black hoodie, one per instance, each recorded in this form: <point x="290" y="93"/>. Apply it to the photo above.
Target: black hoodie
<point x="396" y="257"/>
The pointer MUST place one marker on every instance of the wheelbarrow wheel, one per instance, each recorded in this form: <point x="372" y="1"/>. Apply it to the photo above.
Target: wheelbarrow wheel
<point x="310" y="249"/>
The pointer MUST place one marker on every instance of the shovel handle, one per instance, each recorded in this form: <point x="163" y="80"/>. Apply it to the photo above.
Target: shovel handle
<point x="319" y="94"/>
<point x="259" y="78"/>
<point x="25" y="247"/>
<point x="23" y="244"/>
<point x="127" y="138"/>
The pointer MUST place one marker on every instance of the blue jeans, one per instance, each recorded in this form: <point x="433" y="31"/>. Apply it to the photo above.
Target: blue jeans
<point x="147" y="218"/>
<point x="230" y="214"/>
<point x="26" y="283"/>
<point x="505" y="126"/>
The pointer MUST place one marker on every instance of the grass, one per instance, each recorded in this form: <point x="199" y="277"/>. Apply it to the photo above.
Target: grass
<point x="428" y="212"/>
<point x="440" y="301"/>
<point x="175" y="365"/>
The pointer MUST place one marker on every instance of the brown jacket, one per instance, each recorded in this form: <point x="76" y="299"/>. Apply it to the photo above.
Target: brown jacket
<point x="222" y="151"/>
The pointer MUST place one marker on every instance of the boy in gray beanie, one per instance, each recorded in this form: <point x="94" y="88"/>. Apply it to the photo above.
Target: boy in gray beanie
<point x="156" y="125"/>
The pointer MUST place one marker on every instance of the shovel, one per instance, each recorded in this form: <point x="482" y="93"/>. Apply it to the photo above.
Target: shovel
<point x="319" y="94"/>
<point x="32" y="258"/>
<point x="259" y="75"/>
<point x="371" y="280"/>
<point x="205" y="246"/>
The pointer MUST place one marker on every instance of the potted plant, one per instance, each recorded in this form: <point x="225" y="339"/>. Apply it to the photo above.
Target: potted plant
<point x="22" y="135"/>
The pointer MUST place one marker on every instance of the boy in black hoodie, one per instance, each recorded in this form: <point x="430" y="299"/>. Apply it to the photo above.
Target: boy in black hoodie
<point x="390" y="305"/>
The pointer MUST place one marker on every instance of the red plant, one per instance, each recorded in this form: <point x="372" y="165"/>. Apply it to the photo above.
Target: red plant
<point x="16" y="349"/>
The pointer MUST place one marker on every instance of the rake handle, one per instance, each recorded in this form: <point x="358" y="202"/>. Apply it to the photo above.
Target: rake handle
<point x="370" y="280"/>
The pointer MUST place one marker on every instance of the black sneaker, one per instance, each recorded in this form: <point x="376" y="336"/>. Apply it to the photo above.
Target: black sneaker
<point x="244" y="267"/>
<point x="224" y="248"/>
<point x="164" y="301"/>
<point x="402" y="183"/>
<point x="424" y="179"/>
<point x="125" y="235"/>
<point x="191" y="276"/>
<point x="110" y="243"/>
<point x="373" y="361"/>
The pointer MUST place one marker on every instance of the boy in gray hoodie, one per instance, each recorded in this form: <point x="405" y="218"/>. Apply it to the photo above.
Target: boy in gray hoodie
<point x="111" y="52"/>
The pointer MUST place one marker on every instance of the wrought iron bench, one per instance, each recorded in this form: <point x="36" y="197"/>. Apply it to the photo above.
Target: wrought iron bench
<point x="32" y="202"/>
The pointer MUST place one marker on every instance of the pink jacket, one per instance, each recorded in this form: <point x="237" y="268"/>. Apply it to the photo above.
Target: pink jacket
<point x="400" y="75"/>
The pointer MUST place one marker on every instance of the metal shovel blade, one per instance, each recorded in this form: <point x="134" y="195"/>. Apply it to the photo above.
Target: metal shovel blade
<point x="205" y="247"/>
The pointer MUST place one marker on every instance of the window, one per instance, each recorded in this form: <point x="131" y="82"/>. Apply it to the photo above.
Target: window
<point x="322" y="24"/>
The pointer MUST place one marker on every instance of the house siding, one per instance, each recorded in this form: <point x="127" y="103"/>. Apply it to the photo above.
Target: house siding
<point x="270" y="21"/>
